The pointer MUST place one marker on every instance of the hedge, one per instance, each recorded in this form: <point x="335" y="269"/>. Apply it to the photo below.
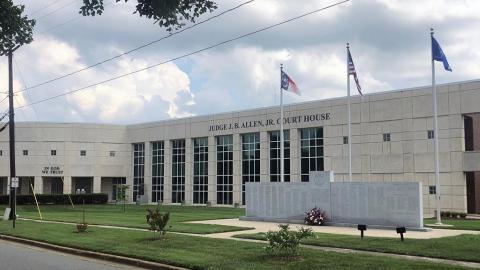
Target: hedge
<point x="95" y="198"/>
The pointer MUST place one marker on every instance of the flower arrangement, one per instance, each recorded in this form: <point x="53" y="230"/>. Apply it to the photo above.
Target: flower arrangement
<point x="315" y="217"/>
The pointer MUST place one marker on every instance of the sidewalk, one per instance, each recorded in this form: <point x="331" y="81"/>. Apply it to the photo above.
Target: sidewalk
<point x="261" y="226"/>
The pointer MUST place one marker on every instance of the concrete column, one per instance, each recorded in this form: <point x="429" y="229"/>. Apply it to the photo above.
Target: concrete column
<point x="67" y="185"/>
<point x="212" y="170"/>
<point x="264" y="157"/>
<point x="167" y="182"/>
<point x="38" y="186"/>
<point x="97" y="184"/>
<point x="147" y="176"/>
<point x="294" y="155"/>
<point x="188" y="171"/>
<point x="237" y="169"/>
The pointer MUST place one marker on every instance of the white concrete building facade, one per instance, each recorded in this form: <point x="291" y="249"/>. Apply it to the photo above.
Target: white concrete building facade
<point x="208" y="158"/>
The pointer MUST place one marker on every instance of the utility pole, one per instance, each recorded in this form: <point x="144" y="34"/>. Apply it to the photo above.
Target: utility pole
<point x="11" y="129"/>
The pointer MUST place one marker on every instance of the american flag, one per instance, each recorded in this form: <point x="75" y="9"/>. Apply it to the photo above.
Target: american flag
<point x="352" y="71"/>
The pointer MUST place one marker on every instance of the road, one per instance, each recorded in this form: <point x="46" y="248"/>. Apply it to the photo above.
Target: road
<point x="15" y="256"/>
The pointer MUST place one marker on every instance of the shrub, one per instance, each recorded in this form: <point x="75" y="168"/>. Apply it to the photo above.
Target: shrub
<point x="157" y="221"/>
<point x="285" y="242"/>
<point x="449" y="214"/>
<point x="95" y="198"/>
<point x="315" y="217"/>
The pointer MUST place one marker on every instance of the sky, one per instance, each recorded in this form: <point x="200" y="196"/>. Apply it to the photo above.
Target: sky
<point x="389" y="41"/>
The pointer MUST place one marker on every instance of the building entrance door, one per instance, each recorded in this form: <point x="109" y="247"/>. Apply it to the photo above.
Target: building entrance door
<point x="473" y="192"/>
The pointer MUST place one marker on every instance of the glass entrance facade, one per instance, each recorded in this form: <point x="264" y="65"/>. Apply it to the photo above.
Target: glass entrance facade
<point x="250" y="160"/>
<point x="200" y="170"/>
<point x="138" y="169"/>
<point x="311" y="151"/>
<point x="225" y="169"/>
<point x="275" y="156"/>
<point x="178" y="171"/>
<point x="158" y="162"/>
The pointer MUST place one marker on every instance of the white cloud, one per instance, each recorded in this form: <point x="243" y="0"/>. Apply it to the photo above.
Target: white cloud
<point x="122" y="100"/>
<point x="390" y="47"/>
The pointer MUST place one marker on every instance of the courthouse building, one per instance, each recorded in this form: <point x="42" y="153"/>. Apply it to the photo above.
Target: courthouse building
<point x="208" y="158"/>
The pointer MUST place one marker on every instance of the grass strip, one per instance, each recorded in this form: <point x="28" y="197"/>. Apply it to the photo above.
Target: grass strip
<point x="199" y="252"/>
<point x="134" y="216"/>
<point x="464" y="247"/>
<point x="456" y="224"/>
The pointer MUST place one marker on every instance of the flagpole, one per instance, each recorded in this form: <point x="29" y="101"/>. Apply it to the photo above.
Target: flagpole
<point x="282" y="172"/>
<point x="349" y="123"/>
<point x="435" y="136"/>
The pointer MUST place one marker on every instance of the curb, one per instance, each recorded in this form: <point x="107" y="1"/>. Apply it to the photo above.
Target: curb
<point x="95" y="255"/>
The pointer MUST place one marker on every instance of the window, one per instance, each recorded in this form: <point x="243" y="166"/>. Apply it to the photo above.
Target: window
<point x="178" y="171"/>
<point x="138" y="169"/>
<point x="386" y="137"/>
<point x="1" y="152"/>
<point x="430" y="134"/>
<point x="53" y="152"/>
<point x="345" y="139"/>
<point x="112" y="153"/>
<point x="200" y="170"/>
<point x="250" y="160"/>
<point x="116" y="182"/>
<point x="25" y="152"/>
<point x="83" y="153"/>
<point x="275" y="156"/>
<point x="432" y="190"/>
<point x="311" y="148"/>
<point x="225" y="169"/>
<point x="158" y="171"/>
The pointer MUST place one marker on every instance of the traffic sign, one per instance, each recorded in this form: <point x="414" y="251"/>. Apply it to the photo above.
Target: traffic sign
<point x="15" y="182"/>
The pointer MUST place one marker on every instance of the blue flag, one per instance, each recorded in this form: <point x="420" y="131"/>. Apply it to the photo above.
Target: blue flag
<point x="438" y="55"/>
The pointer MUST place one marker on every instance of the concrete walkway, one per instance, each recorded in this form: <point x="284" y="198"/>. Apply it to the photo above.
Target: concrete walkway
<point x="261" y="226"/>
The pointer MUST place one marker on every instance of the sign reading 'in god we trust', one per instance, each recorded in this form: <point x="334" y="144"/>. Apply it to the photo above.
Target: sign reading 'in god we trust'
<point x="271" y="122"/>
<point x="52" y="170"/>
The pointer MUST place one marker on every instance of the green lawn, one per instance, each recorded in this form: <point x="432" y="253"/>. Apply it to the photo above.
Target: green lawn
<point x="458" y="224"/>
<point x="199" y="252"/>
<point x="135" y="216"/>
<point x="464" y="247"/>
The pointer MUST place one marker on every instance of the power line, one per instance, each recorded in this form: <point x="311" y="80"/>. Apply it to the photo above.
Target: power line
<point x="69" y="21"/>
<point x="188" y="54"/>
<point x="43" y="8"/>
<point x="3" y="99"/>
<point x="55" y="10"/>
<point x="61" y="24"/>
<point x="137" y="48"/>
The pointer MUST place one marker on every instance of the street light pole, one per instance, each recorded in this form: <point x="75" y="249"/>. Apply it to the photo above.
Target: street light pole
<point x="11" y="129"/>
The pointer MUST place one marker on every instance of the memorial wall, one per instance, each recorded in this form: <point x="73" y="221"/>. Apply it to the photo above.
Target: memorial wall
<point x="378" y="204"/>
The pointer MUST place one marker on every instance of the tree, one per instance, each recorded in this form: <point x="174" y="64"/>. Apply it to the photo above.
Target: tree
<point x="157" y="221"/>
<point x="122" y="194"/>
<point x="15" y="28"/>
<point x="170" y="14"/>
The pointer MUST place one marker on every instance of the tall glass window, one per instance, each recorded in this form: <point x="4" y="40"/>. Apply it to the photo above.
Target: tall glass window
<point x="138" y="169"/>
<point x="200" y="170"/>
<point x="225" y="169"/>
<point x="311" y="142"/>
<point x="158" y="161"/>
<point x="250" y="160"/>
<point x="178" y="171"/>
<point x="275" y="156"/>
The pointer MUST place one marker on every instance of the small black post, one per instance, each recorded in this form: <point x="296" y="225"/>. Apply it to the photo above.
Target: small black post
<point x="361" y="228"/>
<point x="401" y="231"/>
